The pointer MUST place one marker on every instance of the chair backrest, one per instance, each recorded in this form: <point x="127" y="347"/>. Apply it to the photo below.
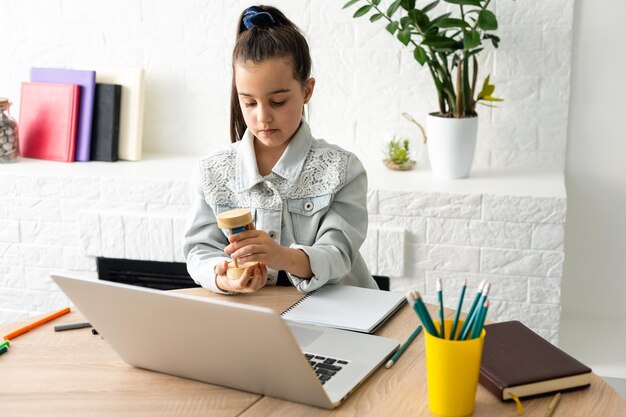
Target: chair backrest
<point x="382" y="281"/>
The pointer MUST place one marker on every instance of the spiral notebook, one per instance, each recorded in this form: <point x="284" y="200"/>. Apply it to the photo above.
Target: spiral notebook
<point x="345" y="307"/>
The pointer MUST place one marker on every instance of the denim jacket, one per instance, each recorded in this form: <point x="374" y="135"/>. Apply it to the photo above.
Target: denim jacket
<point x="314" y="200"/>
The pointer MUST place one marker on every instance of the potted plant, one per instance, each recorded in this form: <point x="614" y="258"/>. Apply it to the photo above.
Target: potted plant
<point x="447" y="43"/>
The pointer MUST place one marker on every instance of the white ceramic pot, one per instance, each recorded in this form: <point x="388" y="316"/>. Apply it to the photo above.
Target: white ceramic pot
<point x="451" y="145"/>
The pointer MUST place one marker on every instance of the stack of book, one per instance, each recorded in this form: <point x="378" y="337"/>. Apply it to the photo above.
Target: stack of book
<point x="82" y="115"/>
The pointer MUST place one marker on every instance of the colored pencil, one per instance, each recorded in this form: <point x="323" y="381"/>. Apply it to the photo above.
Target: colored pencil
<point x="408" y="341"/>
<point x="458" y="311"/>
<point x="472" y="307"/>
<point x="480" y="321"/>
<point x="553" y="404"/>
<point x="426" y="315"/>
<point x="440" y="298"/>
<point x="465" y="331"/>
<point x="38" y="323"/>
<point x="412" y="299"/>
<point x="5" y="343"/>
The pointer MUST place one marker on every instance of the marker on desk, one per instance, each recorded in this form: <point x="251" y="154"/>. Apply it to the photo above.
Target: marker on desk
<point x="71" y="326"/>
<point x="3" y="349"/>
<point x="5" y="343"/>
<point x="38" y="323"/>
<point x="408" y="341"/>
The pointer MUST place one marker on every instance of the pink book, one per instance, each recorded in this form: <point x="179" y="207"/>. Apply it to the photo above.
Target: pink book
<point x="87" y="82"/>
<point x="48" y="120"/>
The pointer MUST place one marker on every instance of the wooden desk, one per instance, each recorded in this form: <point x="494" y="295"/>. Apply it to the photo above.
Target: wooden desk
<point x="76" y="373"/>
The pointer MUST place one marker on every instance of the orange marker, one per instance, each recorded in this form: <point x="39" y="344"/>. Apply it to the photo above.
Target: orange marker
<point x="38" y="323"/>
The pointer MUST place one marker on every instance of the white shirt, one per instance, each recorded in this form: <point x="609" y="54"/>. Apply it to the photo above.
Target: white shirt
<point x="314" y="200"/>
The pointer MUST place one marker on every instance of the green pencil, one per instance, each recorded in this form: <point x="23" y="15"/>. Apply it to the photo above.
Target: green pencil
<point x="478" y="324"/>
<point x="425" y="314"/>
<point x="408" y="341"/>
<point x="458" y="311"/>
<point x="440" y="297"/>
<point x="472" y="308"/>
<point x="466" y="330"/>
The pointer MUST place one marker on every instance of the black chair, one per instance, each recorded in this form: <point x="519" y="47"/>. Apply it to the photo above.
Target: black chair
<point x="162" y="275"/>
<point x="382" y="281"/>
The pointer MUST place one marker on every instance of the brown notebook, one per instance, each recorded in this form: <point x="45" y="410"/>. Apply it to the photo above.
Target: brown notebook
<point x="518" y="361"/>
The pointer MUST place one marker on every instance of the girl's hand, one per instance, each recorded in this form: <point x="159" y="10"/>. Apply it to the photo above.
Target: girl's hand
<point x="256" y="246"/>
<point x="252" y="279"/>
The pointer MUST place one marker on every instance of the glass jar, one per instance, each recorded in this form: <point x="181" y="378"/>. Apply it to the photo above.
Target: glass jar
<point x="9" y="144"/>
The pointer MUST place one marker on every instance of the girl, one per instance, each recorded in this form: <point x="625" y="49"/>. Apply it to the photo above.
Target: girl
<point x="308" y="197"/>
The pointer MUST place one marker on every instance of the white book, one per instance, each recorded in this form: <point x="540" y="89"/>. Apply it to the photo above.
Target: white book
<point x="131" y="109"/>
<point x="346" y="307"/>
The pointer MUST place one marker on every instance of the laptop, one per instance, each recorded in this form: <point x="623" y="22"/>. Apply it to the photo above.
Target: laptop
<point x="244" y="347"/>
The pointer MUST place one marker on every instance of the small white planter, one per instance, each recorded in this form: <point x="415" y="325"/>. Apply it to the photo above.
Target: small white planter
<point x="451" y="145"/>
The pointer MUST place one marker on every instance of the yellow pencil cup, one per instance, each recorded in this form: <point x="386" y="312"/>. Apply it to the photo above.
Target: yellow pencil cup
<point x="452" y="368"/>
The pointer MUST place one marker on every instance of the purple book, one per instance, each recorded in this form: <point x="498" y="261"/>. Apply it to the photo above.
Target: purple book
<point x="87" y="81"/>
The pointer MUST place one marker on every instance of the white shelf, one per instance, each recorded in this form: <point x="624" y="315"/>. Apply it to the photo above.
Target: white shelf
<point x="527" y="182"/>
<point x="531" y="183"/>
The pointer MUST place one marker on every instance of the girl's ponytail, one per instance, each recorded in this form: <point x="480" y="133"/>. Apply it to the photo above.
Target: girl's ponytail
<point x="263" y="32"/>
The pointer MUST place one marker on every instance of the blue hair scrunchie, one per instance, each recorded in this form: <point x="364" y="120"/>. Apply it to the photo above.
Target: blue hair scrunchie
<point x="255" y="16"/>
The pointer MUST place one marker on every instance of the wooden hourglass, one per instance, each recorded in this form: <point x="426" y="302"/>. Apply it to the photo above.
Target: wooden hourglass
<point x="236" y="221"/>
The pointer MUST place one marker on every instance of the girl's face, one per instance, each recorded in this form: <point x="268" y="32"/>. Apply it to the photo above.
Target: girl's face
<point x="271" y="100"/>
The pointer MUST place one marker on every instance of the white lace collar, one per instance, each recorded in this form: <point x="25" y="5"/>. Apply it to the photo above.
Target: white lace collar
<point x="289" y="166"/>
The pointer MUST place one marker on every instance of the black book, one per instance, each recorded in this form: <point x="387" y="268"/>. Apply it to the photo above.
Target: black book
<point x="105" y="130"/>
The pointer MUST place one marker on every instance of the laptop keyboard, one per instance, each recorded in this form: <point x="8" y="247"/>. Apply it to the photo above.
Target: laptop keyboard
<point x="324" y="366"/>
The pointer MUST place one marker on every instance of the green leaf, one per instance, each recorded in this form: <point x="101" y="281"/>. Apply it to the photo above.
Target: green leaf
<point x="464" y="2"/>
<point x="486" y="91"/>
<point x="392" y="27"/>
<point x="420" y="19"/>
<point x="420" y="55"/>
<point x="350" y="3"/>
<point x="404" y="36"/>
<point x="393" y="7"/>
<point x="487" y="20"/>
<point x="406" y="22"/>
<point x="489" y="98"/>
<point x="452" y="23"/>
<point x="495" y="40"/>
<point x="363" y="10"/>
<point x="430" y="6"/>
<point x="376" y="17"/>
<point x="375" y="2"/>
<point x="440" y="42"/>
<point x="408" y="4"/>
<point x="474" y="51"/>
<point x="440" y="18"/>
<point x="471" y="40"/>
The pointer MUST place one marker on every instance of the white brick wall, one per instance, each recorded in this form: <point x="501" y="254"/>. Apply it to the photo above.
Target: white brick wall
<point x="362" y="72"/>
<point x="515" y="242"/>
